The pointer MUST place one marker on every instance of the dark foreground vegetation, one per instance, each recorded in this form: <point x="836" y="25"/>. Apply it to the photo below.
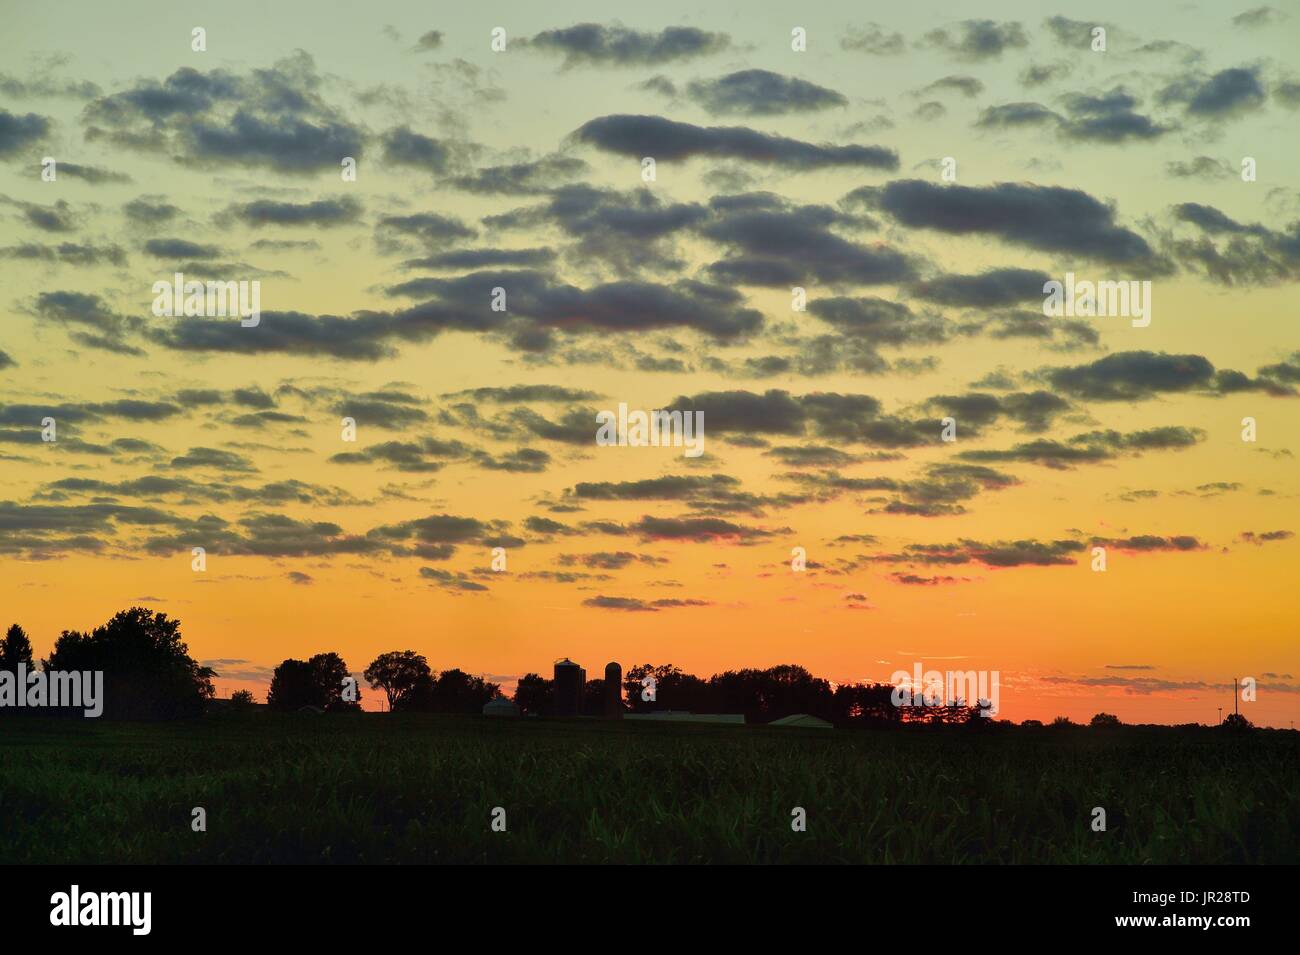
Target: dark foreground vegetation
<point x="415" y="787"/>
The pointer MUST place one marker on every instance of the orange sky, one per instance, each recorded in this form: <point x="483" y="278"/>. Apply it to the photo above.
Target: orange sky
<point x="314" y="543"/>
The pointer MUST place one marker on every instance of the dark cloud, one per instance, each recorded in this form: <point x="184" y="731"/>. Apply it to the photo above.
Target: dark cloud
<point x="421" y="456"/>
<point x="1091" y="448"/>
<point x="1287" y="92"/>
<point x="150" y="211"/>
<point x="1012" y="115"/>
<point x="483" y="258"/>
<point x="1234" y="253"/>
<point x="1109" y="117"/>
<point x="879" y="321"/>
<point x="989" y="289"/>
<point x="1033" y="410"/>
<point x="518" y="461"/>
<point x="17" y="132"/>
<point x="624" y="306"/>
<point x="66" y="253"/>
<point x="830" y="415"/>
<point x="378" y="411"/>
<point x="180" y="249"/>
<point x="976" y="40"/>
<point x="1039" y="74"/>
<point x="46" y="87"/>
<point x="404" y="147"/>
<point x="90" y="320"/>
<point x="928" y="112"/>
<point x="431" y="40"/>
<point x="59" y="216"/>
<point x="776" y="244"/>
<point x="774" y="412"/>
<point x="810" y="455"/>
<point x="698" y="529"/>
<point x="668" y="488"/>
<point x="1200" y="167"/>
<point x="123" y="409"/>
<point x="273" y="118"/>
<point x="1144" y="543"/>
<point x="260" y="419"/>
<point x="95" y="175"/>
<point x="1222" y="95"/>
<point x="939" y="491"/>
<point x="437" y="537"/>
<point x="665" y="139"/>
<point x="265" y="535"/>
<point x="997" y="554"/>
<point x="519" y="393"/>
<point x="1250" y="537"/>
<point x="429" y="230"/>
<point x="45" y="531"/>
<point x="214" y="458"/>
<point x="1049" y="218"/>
<point x="761" y="93"/>
<point x="874" y="40"/>
<point x="593" y="44"/>
<point x="322" y="212"/>
<point x="629" y="230"/>
<point x="157" y="487"/>
<point x="637" y="604"/>
<point x="285" y="245"/>
<point x="1133" y="376"/>
<point x="933" y="581"/>
<point x="449" y="580"/>
<point x="1285" y="372"/>
<point x="1259" y="17"/>
<point x="967" y="86"/>
<point x="608" y="560"/>
<point x="1065" y="335"/>
<point x="530" y="178"/>
<point x="1075" y="33"/>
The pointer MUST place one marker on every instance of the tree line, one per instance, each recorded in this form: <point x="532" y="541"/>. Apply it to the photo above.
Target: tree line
<point x="149" y="674"/>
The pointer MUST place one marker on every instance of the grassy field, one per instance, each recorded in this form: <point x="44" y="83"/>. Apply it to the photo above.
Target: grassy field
<point x="379" y="789"/>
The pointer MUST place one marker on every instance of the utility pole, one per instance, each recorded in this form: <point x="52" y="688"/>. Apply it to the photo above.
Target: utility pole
<point x="1234" y="696"/>
<point x="1220" y="714"/>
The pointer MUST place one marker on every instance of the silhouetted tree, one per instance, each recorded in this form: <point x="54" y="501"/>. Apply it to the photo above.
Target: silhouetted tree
<point x="593" y="697"/>
<point x="317" y="682"/>
<point x="674" y="690"/>
<point x="868" y="704"/>
<point x="772" y="693"/>
<point x="293" y="686"/>
<point x="403" y="675"/>
<point x="1061" y="722"/>
<point x="148" y="671"/>
<point x="454" y="691"/>
<point x="329" y="674"/>
<point x="15" y="648"/>
<point x="1235" y="722"/>
<point x="534" y="694"/>
<point x="241" y="701"/>
<point x="1104" y="720"/>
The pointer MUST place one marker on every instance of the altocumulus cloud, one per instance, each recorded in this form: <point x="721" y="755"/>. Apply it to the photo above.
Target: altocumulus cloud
<point x="593" y="44"/>
<point x="640" y="136"/>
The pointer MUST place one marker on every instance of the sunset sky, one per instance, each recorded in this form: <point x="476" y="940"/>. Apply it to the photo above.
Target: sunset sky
<point x="521" y="169"/>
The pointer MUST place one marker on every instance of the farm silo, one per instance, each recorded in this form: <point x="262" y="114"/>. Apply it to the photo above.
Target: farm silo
<point x="569" y="682"/>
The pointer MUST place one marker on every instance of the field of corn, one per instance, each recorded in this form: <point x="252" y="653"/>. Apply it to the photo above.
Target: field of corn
<point x="376" y="788"/>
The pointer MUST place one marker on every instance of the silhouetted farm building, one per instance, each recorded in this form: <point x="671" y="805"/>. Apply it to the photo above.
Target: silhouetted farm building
<point x="570" y="679"/>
